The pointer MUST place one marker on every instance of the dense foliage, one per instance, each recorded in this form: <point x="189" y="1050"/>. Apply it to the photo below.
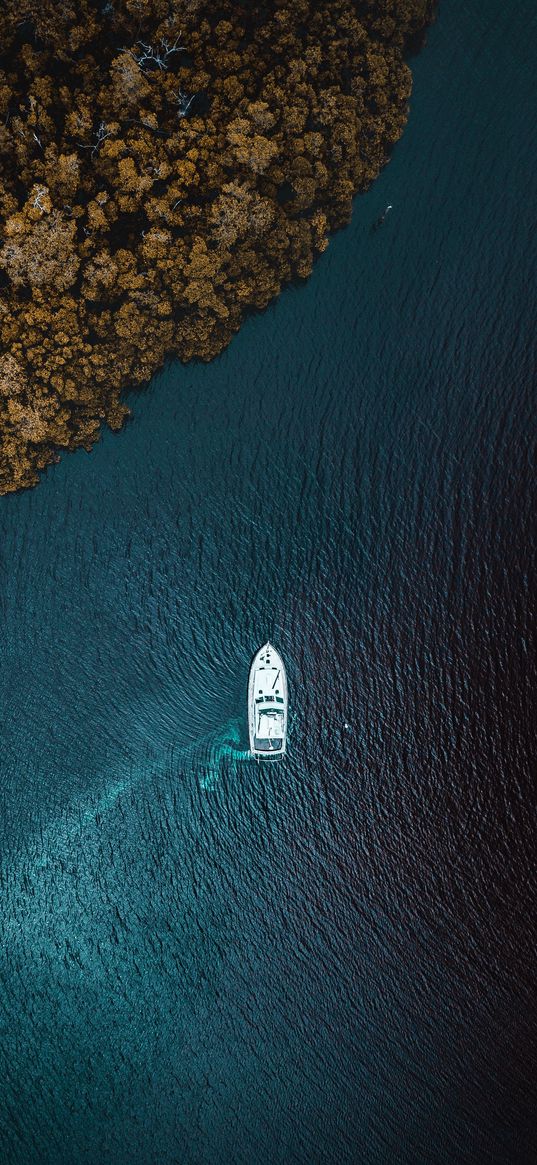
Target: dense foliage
<point x="166" y="165"/>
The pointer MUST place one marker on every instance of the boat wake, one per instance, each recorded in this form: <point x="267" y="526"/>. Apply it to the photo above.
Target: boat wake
<point x="221" y="750"/>
<point x="201" y="762"/>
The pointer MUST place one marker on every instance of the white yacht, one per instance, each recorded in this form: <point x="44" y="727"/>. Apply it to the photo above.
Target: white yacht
<point x="267" y="703"/>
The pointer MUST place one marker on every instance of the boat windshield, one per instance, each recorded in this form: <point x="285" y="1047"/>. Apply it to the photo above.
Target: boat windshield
<point x="270" y="719"/>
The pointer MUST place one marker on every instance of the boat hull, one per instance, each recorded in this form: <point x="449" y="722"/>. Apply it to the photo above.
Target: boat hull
<point x="267" y="704"/>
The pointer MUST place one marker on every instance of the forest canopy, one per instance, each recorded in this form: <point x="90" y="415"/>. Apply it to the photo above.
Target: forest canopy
<point x="166" y="167"/>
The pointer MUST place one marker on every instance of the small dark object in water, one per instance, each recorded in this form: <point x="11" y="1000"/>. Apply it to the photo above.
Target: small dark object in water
<point x="382" y="218"/>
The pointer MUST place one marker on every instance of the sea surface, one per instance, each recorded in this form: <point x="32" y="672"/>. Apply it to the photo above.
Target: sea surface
<point x="331" y="960"/>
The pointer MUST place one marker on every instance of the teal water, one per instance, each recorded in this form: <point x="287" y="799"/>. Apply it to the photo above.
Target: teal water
<point x="331" y="959"/>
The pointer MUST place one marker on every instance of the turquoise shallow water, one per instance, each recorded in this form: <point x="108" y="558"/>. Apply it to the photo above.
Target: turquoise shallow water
<point x="331" y="959"/>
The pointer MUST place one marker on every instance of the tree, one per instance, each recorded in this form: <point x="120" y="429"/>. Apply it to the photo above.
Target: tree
<point x="42" y="252"/>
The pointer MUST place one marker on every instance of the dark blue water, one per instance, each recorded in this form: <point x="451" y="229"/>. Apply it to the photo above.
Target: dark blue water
<point x="332" y="959"/>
